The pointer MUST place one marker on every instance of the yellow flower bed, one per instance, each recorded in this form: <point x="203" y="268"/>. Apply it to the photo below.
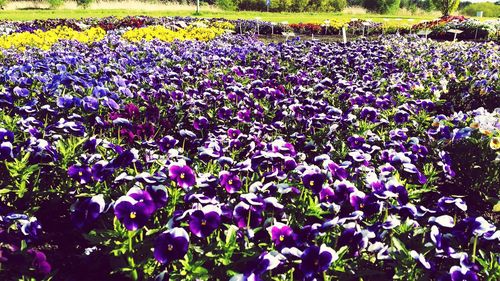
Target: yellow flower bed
<point x="197" y="31"/>
<point x="45" y="39"/>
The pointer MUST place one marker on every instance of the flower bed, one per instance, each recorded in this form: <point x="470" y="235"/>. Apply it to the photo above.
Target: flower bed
<point x="231" y="158"/>
<point x="471" y="28"/>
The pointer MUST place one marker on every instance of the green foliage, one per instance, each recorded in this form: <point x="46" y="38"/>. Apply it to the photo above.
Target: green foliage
<point x="446" y="6"/>
<point x="226" y="5"/>
<point x="299" y="5"/>
<point x="3" y="3"/>
<point x="391" y="6"/>
<point x="84" y="3"/>
<point x="382" y="6"/>
<point x="489" y="9"/>
<point x="338" y="5"/>
<point x="281" y="5"/>
<point x="20" y="172"/>
<point x="54" y="4"/>
<point x="252" y="5"/>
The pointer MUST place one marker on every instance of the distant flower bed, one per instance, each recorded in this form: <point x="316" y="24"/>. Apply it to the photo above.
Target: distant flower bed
<point x="192" y="32"/>
<point x="472" y="29"/>
<point x="45" y="39"/>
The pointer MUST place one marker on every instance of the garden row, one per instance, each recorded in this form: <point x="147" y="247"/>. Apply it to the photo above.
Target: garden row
<point x="437" y="29"/>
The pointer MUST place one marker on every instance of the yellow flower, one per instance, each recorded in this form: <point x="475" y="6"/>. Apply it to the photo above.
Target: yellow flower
<point x="495" y="143"/>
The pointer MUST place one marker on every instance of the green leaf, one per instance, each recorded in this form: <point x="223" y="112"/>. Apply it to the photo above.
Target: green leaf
<point x="399" y="245"/>
<point x="496" y="208"/>
<point x="4" y="191"/>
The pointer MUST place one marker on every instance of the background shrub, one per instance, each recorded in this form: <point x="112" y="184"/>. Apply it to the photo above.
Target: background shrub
<point x="382" y="6"/>
<point x="54" y="4"/>
<point x="227" y="5"/>
<point x="84" y="3"/>
<point x="489" y="9"/>
<point x="3" y="3"/>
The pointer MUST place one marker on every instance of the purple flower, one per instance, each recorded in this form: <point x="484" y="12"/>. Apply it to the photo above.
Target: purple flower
<point x="134" y="209"/>
<point x="200" y="123"/>
<point x="159" y="194"/>
<point x="460" y="273"/>
<point x="281" y="234"/>
<point x="102" y="170"/>
<point x="86" y="210"/>
<point x="171" y="245"/>
<point x="337" y="171"/>
<point x="355" y="239"/>
<point x="421" y="258"/>
<point x="246" y="215"/>
<point x="6" y="151"/>
<point x="233" y="133"/>
<point x="90" y="103"/>
<point x="401" y="117"/>
<point x="183" y="175"/>
<point x="317" y="259"/>
<point x="230" y="182"/>
<point x="203" y="222"/>
<point x="40" y="263"/>
<point x="166" y="143"/>
<point x="314" y="181"/>
<point x="355" y="142"/>
<point x="445" y="202"/>
<point x="6" y="135"/>
<point x="82" y="174"/>
<point x="369" y="114"/>
<point x="30" y="227"/>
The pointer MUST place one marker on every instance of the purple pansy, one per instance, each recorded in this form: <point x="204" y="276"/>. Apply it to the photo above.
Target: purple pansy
<point x="171" y="245"/>
<point x="203" y="222"/>
<point x="230" y="181"/>
<point x="313" y="181"/>
<point x="159" y="194"/>
<point x="183" y="175"/>
<point x="134" y="209"/>
<point x="40" y="263"/>
<point x="281" y="234"/>
<point x="82" y="174"/>
<point x="316" y="259"/>
<point x="86" y="210"/>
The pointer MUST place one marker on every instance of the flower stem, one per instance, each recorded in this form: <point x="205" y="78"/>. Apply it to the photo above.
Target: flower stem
<point x="131" y="261"/>
<point x="474" y="248"/>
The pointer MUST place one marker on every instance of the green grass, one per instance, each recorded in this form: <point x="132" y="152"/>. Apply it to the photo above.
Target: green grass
<point x="21" y="15"/>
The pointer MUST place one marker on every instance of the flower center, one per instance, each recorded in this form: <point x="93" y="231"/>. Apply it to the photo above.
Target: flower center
<point x="170" y="247"/>
<point x="361" y="206"/>
<point x="316" y="262"/>
<point x="311" y="183"/>
<point x="282" y="237"/>
<point x="80" y="173"/>
<point x="203" y="222"/>
<point x="6" y="137"/>
<point x="182" y="176"/>
<point x="133" y="215"/>
<point x="230" y="182"/>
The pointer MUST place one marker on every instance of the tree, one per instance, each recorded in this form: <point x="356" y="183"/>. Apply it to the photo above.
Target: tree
<point x="446" y="6"/>
<point x="382" y="6"/>
<point x="299" y="5"/>
<point x="338" y="5"/>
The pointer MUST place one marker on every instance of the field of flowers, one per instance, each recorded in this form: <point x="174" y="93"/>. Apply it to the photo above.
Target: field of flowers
<point x="171" y="149"/>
